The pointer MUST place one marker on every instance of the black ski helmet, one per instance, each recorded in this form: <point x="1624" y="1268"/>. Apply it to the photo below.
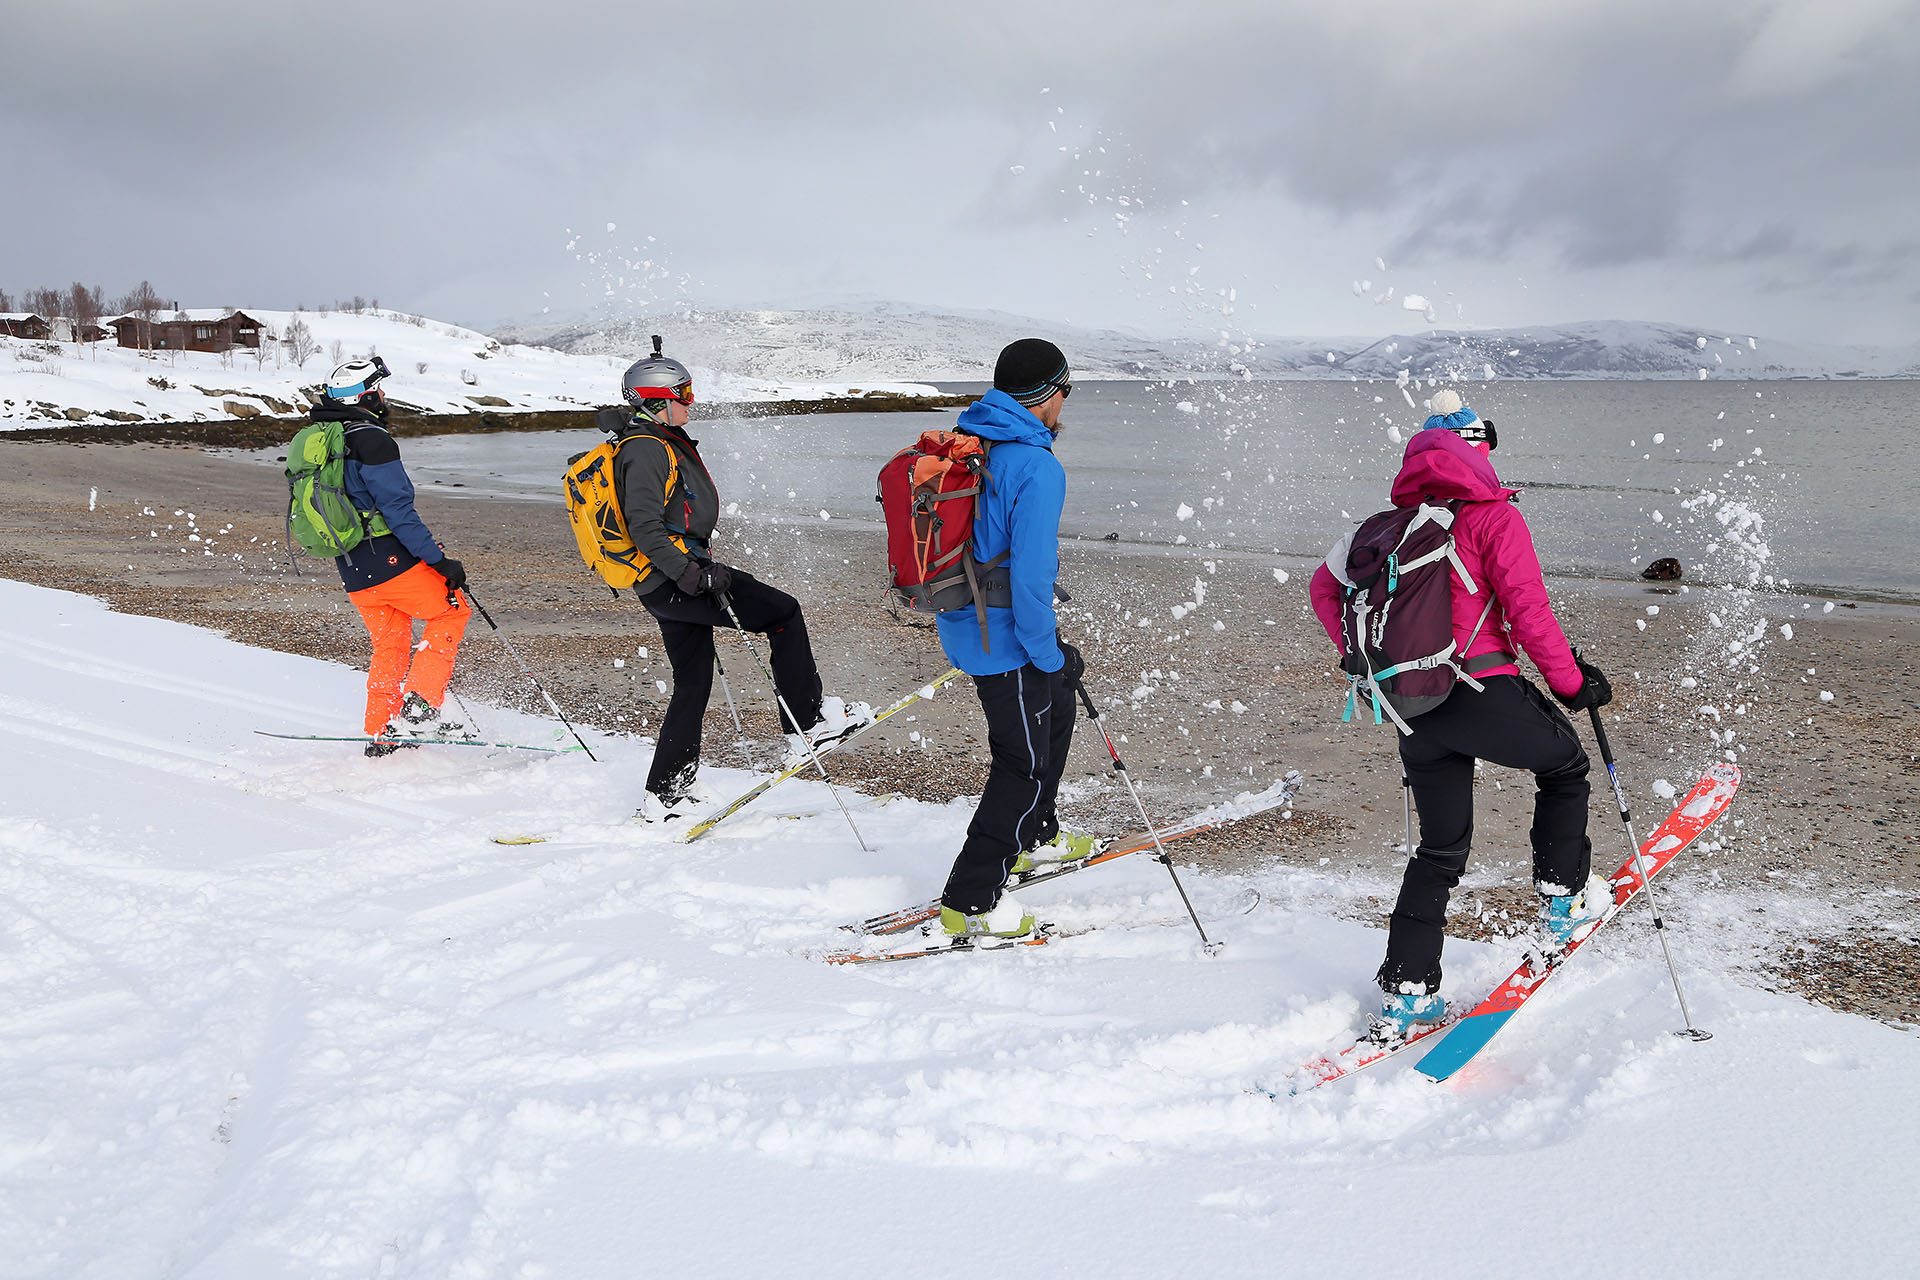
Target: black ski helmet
<point x="657" y="377"/>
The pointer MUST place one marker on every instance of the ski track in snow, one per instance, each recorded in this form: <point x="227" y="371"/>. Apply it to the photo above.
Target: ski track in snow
<point x="269" y="1008"/>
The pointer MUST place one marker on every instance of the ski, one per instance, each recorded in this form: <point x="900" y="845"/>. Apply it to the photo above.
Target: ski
<point x="765" y="785"/>
<point x="938" y="944"/>
<point x="1276" y="796"/>
<point x="1356" y="1057"/>
<point x="1704" y="805"/>
<point x="415" y="742"/>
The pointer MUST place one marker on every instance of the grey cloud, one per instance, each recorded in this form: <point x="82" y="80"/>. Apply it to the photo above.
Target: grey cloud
<point x="439" y="151"/>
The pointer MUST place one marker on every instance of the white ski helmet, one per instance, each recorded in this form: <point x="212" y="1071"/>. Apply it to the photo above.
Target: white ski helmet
<point x="657" y="377"/>
<point x="355" y="382"/>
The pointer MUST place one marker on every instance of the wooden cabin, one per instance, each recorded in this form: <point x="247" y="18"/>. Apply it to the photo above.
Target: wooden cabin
<point x="203" y="330"/>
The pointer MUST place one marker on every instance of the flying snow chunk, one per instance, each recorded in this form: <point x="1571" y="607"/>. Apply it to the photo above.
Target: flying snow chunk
<point x="1280" y="576"/>
<point x="610" y="226"/>
<point x="1664" y="789"/>
<point x="1703" y="375"/>
<point x="1380" y="264"/>
<point x="1017" y="169"/>
<point x="1826" y="695"/>
<point x="1700" y="343"/>
<point x="1183" y="512"/>
<point x="1486" y="371"/>
<point x="1414" y="302"/>
<point x="1786" y="631"/>
<point x="1329" y="357"/>
<point x="1187" y="406"/>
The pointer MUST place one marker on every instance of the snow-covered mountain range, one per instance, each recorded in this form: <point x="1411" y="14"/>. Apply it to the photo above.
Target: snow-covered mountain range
<point x="893" y="341"/>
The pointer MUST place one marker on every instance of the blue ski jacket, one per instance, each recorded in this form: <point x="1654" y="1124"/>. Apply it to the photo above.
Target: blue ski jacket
<point x="1019" y="509"/>
<point x="376" y="481"/>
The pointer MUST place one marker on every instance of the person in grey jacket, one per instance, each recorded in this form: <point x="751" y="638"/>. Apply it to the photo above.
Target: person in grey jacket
<point x="671" y="504"/>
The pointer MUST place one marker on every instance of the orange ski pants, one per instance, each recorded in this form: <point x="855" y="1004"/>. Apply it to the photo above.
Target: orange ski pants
<point x="390" y="610"/>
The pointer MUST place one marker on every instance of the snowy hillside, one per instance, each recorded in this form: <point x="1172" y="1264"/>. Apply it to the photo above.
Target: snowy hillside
<point x="437" y="368"/>
<point x="895" y="342"/>
<point x="272" y="1009"/>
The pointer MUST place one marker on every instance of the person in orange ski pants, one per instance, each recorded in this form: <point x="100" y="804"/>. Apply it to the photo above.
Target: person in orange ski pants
<point x="397" y="577"/>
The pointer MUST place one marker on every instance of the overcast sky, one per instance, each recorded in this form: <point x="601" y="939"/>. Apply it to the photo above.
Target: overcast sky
<point x="1750" y="166"/>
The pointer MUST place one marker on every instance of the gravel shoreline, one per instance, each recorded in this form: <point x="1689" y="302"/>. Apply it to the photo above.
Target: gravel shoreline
<point x="1218" y="700"/>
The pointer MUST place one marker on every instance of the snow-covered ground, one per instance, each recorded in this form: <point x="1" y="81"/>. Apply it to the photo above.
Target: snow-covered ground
<point x="437" y="368"/>
<point x="268" y="1009"/>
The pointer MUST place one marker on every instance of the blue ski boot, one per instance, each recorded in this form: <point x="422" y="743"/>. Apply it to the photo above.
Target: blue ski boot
<point x="1563" y="917"/>
<point x="1402" y="1015"/>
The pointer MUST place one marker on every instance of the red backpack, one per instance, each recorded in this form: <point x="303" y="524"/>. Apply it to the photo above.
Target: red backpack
<point x="927" y="493"/>
<point x="1396" y="616"/>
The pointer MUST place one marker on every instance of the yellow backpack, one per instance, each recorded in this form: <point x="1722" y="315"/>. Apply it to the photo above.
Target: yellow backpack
<point x="593" y="508"/>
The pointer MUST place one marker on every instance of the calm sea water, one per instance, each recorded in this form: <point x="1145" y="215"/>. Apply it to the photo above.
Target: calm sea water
<point x="1817" y="474"/>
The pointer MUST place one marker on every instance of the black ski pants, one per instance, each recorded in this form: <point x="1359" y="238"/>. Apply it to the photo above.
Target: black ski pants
<point x="1511" y="723"/>
<point x="686" y="629"/>
<point x="1030" y="716"/>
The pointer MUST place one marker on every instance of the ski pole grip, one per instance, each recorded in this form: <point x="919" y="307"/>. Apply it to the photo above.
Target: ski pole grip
<point x="1080" y="688"/>
<point x="475" y="602"/>
<point x="1600" y="736"/>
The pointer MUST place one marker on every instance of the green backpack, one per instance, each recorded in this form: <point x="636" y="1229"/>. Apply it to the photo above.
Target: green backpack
<point x="320" y="516"/>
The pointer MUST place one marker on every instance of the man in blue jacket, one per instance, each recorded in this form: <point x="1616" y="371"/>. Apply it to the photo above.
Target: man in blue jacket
<point x="1024" y="673"/>
<point x="399" y="574"/>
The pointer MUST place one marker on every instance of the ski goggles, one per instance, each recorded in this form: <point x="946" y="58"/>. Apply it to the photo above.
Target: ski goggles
<point x="683" y="393"/>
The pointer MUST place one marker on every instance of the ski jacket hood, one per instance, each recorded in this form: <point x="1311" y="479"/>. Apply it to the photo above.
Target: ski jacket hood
<point x="1440" y="467"/>
<point x="998" y="416"/>
<point x="1018" y="514"/>
<point x="1497" y="549"/>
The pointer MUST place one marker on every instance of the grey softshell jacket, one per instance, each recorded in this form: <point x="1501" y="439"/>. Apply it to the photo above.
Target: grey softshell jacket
<point x="640" y="470"/>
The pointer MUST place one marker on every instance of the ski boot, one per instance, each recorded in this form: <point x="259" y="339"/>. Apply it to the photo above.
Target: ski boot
<point x="419" y="718"/>
<point x="386" y="746"/>
<point x="838" y="719"/>
<point x="1008" y="919"/>
<point x="1566" y="917"/>
<point x="1066" y="846"/>
<point x="665" y="810"/>
<point x="1402" y="1014"/>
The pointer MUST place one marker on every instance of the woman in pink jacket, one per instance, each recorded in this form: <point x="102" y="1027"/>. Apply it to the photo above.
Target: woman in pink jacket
<point x="1508" y="722"/>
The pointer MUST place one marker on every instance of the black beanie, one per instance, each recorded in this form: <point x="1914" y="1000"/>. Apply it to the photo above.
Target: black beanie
<point x="1030" y="370"/>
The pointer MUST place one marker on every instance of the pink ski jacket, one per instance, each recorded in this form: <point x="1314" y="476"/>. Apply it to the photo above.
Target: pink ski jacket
<point x="1496" y="547"/>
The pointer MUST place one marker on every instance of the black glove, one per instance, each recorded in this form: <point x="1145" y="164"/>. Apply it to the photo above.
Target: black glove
<point x="1074" y="667"/>
<point x="452" y="570"/>
<point x="1594" y="690"/>
<point x="699" y="578"/>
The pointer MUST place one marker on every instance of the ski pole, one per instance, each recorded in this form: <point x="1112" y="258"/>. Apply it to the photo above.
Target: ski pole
<point x="727" y="603"/>
<point x="738" y="728"/>
<point x="472" y="724"/>
<point x="1120" y="767"/>
<point x="1646" y="881"/>
<point x="528" y="672"/>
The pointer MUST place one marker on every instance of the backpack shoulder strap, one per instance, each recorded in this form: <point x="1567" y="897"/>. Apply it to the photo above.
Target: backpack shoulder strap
<point x="673" y="464"/>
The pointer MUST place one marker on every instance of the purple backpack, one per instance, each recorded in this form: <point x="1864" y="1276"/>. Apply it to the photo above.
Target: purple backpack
<point x="1396" y="617"/>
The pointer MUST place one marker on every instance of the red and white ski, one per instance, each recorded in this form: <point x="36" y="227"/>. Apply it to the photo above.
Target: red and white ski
<point x="1704" y="806"/>
<point x="1473" y="1028"/>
